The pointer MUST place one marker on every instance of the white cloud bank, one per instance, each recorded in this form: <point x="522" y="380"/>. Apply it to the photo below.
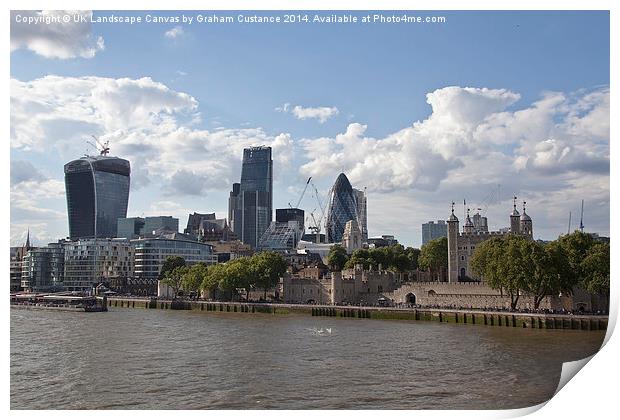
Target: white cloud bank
<point x="551" y="152"/>
<point x="53" y="37"/>
<point x="145" y="122"/>
<point x="321" y="113"/>
<point x="471" y="131"/>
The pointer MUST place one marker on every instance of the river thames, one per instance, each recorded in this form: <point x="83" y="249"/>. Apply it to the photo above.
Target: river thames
<point x="161" y="359"/>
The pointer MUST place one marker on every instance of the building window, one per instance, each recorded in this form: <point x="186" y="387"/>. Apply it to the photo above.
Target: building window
<point x="462" y="257"/>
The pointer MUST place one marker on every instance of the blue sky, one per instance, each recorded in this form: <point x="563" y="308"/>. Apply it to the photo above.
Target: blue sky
<point x="534" y="120"/>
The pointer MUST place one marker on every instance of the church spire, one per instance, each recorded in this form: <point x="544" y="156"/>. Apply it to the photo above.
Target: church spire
<point x="27" y="245"/>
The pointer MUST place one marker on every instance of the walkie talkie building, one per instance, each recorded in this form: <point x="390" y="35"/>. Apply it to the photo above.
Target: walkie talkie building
<point x="97" y="189"/>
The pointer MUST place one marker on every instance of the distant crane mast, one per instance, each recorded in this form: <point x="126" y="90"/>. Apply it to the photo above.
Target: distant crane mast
<point x="316" y="229"/>
<point x="102" y="148"/>
<point x="302" y="195"/>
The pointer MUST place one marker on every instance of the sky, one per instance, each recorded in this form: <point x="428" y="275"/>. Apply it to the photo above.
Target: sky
<point x="480" y="108"/>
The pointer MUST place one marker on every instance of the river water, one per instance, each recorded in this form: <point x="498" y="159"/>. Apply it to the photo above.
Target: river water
<point x="158" y="359"/>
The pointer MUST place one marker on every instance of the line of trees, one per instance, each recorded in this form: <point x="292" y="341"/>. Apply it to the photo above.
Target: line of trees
<point x="515" y="265"/>
<point x="261" y="271"/>
<point x="394" y="258"/>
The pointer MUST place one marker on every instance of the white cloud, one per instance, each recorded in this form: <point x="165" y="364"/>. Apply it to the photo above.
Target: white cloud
<point x="552" y="152"/>
<point x="56" y="38"/>
<point x="175" y="32"/>
<point x="321" y="113"/>
<point x="145" y="122"/>
<point x="63" y="107"/>
<point x="467" y="133"/>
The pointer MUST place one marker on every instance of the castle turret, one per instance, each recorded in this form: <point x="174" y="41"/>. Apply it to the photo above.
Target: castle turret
<point x="515" y="218"/>
<point x="526" y="224"/>
<point x="453" y="236"/>
<point x="468" y="227"/>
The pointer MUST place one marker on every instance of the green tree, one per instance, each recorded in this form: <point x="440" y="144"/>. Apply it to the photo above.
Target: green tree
<point x="212" y="277"/>
<point x="193" y="278"/>
<point x="413" y="254"/>
<point x="595" y="268"/>
<point x="511" y="264"/>
<point x="241" y="273"/>
<point x="434" y="255"/>
<point x="359" y="256"/>
<point x="551" y="274"/>
<point x="337" y="258"/>
<point x="268" y="268"/>
<point x="170" y="264"/>
<point x="174" y="279"/>
<point x="576" y="247"/>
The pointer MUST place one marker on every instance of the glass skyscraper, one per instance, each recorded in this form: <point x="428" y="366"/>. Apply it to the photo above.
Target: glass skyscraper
<point x="343" y="207"/>
<point x="255" y="195"/>
<point x="97" y="189"/>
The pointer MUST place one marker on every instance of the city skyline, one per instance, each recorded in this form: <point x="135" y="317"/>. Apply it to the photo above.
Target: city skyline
<point x="418" y="130"/>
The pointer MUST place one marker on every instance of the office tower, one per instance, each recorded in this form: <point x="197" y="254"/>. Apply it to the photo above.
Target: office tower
<point x="434" y="230"/>
<point x="234" y="209"/>
<point x="129" y="227"/>
<point x="135" y="227"/>
<point x="256" y="191"/>
<point x="362" y="212"/>
<point x="97" y="189"/>
<point x="342" y="208"/>
<point x="290" y="214"/>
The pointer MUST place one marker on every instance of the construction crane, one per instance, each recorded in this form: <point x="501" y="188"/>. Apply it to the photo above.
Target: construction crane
<point x="102" y="148"/>
<point x="316" y="229"/>
<point x="301" y="196"/>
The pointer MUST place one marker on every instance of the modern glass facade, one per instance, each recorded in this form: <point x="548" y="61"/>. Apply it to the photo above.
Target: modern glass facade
<point x="256" y="192"/>
<point x="434" y="230"/>
<point x="89" y="262"/>
<point x="291" y="214"/>
<point x="107" y="196"/>
<point x="234" y="209"/>
<point x="151" y="253"/>
<point x="43" y="268"/>
<point x="342" y="208"/>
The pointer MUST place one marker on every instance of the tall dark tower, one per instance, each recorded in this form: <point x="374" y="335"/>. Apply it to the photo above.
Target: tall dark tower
<point x="342" y="208"/>
<point x="97" y="189"/>
<point x="256" y="192"/>
<point x="453" y="240"/>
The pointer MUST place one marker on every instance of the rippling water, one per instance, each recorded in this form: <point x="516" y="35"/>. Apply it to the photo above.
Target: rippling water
<point x="155" y="359"/>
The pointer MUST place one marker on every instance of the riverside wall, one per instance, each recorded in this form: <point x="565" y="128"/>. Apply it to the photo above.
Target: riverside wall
<point x="473" y="317"/>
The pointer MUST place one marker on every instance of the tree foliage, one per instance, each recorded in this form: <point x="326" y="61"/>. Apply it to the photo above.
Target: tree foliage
<point x="337" y="257"/>
<point x="516" y="265"/>
<point x="174" y="278"/>
<point x="394" y="258"/>
<point x="267" y="267"/>
<point x="434" y="256"/>
<point x="595" y="268"/>
<point x="170" y="264"/>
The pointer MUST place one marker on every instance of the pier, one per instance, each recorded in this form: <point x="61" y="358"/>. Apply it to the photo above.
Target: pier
<point x="59" y="302"/>
<point x="452" y="316"/>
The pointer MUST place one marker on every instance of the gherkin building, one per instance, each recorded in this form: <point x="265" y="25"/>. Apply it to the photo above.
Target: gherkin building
<point x="342" y="208"/>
